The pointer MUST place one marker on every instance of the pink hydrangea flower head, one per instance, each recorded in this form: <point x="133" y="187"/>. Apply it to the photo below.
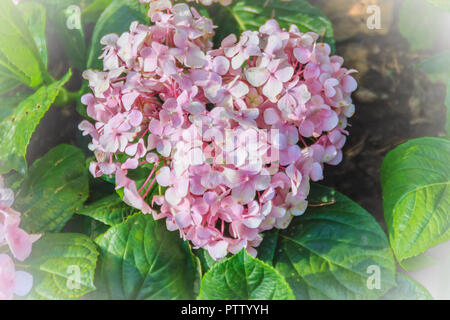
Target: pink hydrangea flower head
<point x="232" y="136"/>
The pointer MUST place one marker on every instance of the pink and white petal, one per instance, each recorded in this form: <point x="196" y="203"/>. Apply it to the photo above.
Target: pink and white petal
<point x="257" y="76"/>
<point x="164" y="177"/>
<point x="218" y="249"/>
<point x="302" y="55"/>
<point x="271" y="116"/>
<point x="349" y="84"/>
<point x="221" y="65"/>
<point x="239" y="90"/>
<point x="244" y="193"/>
<point x="195" y="58"/>
<point x="272" y="89"/>
<point x="285" y="74"/>
<point x="23" y="283"/>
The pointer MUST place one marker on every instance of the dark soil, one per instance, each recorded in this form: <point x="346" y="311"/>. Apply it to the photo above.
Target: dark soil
<point x="394" y="103"/>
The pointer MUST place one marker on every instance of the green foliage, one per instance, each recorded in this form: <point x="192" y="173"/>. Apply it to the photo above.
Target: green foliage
<point x="57" y="260"/>
<point x="251" y="14"/>
<point x="416" y="195"/>
<point x="327" y="252"/>
<point x="243" y="277"/>
<point x="20" y="60"/>
<point x="140" y="259"/>
<point x="65" y="19"/>
<point x="110" y="210"/>
<point x="437" y="67"/>
<point x="16" y="130"/>
<point x="407" y="289"/>
<point x="34" y="15"/>
<point x="94" y="9"/>
<point x="55" y="186"/>
<point x="447" y="103"/>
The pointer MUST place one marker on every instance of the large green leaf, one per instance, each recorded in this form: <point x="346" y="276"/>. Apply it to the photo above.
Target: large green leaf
<point x="251" y="14"/>
<point x="407" y="289"/>
<point x="65" y="19"/>
<point x="110" y="210"/>
<point x="416" y="196"/>
<point x="57" y="261"/>
<point x="18" y="52"/>
<point x="7" y="83"/>
<point x="243" y="277"/>
<point x="141" y="259"/>
<point x="8" y="104"/>
<point x="35" y="18"/>
<point x="17" y="129"/>
<point x="115" y="19"/>
<point x="56" y="185"/>
<point x="332" y="251"/>
<point x="94" y="9"/>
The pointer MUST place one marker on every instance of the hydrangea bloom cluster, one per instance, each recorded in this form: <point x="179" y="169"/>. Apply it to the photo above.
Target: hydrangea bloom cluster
<point x="19" y="243"/>
<point x="167" y="3"/>
<point x="235" y="134"/>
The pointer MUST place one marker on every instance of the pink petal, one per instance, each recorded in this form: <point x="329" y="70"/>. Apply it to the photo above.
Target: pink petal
<point x="349" y="84"/>
<point x="218" y="250"/>
<point x="285" y="74"/>
<point x="164" y="177"/>
<point x="271" y="116"/>
<point x="23" y="283"/>
<point x="257" y="76"/>
<point x="221" y="65"/>
<point x="272" y="88"/>
<point x="302" y="55"/>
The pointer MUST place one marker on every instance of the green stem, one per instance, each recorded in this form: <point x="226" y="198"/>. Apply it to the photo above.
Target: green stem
<point x="65" y="97"/>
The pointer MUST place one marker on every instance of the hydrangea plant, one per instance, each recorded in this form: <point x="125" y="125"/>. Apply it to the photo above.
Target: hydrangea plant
<point x="206" y="128"/>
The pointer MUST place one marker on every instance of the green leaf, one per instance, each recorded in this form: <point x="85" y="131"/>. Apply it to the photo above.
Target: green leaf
<point x="267" y="249"/>
<point x="17" y="129"/>
<point x="56" y="185"/>
<point x="447" y="103"/>
<point x="110" y="210"/>
<point x="115" y="19"/>
<point x="57" y="260"/>
<point x="243" y="277"/>
<point x="416" y="195"/>
<point x="205" y="259"/>
<point x="437" y="67"/>
<point x="420" y="23"/>
<point x="407" y="289"/>
<point x="9" y="104"/>
<point x="251" y="14"/>
<point x="141" y="259"/>
<point x="329" y="252"/>
<point x="18" y="52"/>
<point x="7" y="83"/>
<point x="94" y="9"/>
<point x="65" y="19"/>
<point x="34" y="15"/>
